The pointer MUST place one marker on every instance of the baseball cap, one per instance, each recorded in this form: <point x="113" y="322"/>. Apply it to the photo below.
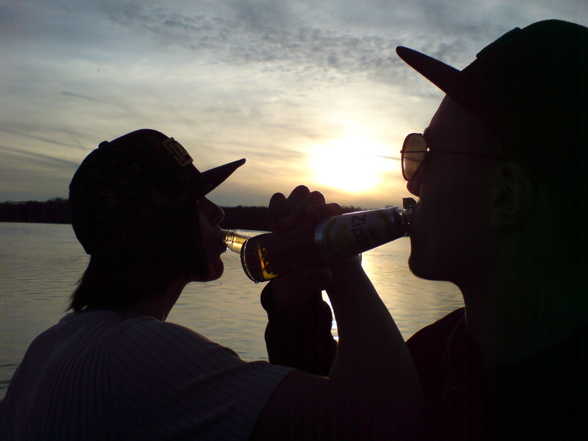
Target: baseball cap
<point x="529" y="87"/>
<point x="127" y="185"/>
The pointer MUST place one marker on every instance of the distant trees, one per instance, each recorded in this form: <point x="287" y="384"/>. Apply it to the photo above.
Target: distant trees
<point x="53" y="211"/>
<point x="245" y="218"/>
<point x="56" y="211"/>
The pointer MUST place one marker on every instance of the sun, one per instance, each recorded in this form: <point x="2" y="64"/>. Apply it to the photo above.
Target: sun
<point x="352" y="165"/>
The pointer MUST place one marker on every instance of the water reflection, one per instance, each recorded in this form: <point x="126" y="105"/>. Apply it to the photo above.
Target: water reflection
<point x="413" y="302"/>
<point x="40" y="265"/>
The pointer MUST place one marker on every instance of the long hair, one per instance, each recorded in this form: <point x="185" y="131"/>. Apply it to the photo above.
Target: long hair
<point x="165" y="249"/>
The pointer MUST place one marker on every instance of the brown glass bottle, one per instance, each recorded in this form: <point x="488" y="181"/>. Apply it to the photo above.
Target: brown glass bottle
<point x="269" y="255"/>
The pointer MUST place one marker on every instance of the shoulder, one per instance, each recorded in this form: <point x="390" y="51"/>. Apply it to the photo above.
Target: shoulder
<point x="163" y="373"/>
<point x="440" y="330"/>
<point x="146" y="337"/>
<point x="164" y="349"/>
<point x="430" y="344"/>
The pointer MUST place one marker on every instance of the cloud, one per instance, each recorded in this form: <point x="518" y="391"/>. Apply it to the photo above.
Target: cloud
<point x="77" y="95"/>
<point x="38" y="159"/>
<point x="269" y="80"/>
<point x="20" y="182"/>
<point x="44" y="136"/>
<point x="262" y="33"/>
<point x="258" y="14"/>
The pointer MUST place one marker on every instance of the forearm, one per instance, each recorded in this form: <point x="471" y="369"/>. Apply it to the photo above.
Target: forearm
<point x="372" y="357"/>
<point x="372" y="382"/>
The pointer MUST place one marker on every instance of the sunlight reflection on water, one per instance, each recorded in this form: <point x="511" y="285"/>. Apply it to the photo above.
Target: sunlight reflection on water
<point x="41" y="263"/>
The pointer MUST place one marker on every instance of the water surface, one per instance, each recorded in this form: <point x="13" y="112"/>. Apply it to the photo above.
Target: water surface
<point x="41" y="263"/>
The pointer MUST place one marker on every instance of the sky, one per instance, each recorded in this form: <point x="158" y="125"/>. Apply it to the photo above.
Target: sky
<point x="310" y="92"/>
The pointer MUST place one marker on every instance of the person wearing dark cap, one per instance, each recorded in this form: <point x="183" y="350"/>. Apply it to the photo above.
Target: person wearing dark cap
<point x="500" y="173"/>
<point x="114" y="369"/>
<point x="500" y="176"/>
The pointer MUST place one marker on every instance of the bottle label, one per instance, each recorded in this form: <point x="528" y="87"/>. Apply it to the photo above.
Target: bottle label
<point x="354" y="233"/>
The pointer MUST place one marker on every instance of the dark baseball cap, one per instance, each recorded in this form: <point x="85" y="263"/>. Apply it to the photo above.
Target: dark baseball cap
<point x="529" y="87"/>
<point x="129" y="184"/>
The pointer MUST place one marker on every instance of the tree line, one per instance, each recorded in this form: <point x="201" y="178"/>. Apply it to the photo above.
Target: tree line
<point x="56" y="211"/>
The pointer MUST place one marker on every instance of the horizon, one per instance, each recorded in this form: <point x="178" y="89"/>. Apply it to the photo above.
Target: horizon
<point x="309" y="93"/>
<point x="60" y="199"/>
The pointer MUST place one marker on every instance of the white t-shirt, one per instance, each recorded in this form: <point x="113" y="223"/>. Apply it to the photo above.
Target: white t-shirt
<point x="106" y="375"/>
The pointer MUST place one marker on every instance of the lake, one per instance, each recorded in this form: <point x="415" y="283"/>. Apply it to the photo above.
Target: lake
<point x="41" y="263"/>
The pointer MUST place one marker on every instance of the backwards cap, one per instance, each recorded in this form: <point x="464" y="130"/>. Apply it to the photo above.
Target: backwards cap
<point x="529" y="87"/>
<point x="128" y="184"/>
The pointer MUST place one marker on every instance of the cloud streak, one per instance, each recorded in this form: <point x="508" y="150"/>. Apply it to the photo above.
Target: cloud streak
<point x="38" y="158"/>
<point x="76" y="95"/>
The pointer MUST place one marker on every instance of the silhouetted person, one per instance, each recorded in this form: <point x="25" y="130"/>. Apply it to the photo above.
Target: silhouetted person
<point x="500" y="173"/>
<point x="113" y="369"/>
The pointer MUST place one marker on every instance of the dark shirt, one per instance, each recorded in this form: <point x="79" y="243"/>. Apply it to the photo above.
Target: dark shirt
<point x="544" y="396"/>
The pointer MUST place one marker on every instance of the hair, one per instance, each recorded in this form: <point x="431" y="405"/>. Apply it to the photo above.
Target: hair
<point x="166" y="248"/>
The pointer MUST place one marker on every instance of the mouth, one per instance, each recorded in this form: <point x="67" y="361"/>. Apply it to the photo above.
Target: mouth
<point x="408" y="203"/>
<point x="224" y="246"/>
<point x="220" y="240"/>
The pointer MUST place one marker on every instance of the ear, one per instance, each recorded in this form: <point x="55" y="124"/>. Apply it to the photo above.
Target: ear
<point x="512" y="195"/>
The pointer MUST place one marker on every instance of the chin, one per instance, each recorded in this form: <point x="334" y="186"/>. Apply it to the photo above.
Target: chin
<point x="415" y="261"/>
<point x="214" y="270"/>
<point x="415" y="268"/>
<point x="426" y="269"/>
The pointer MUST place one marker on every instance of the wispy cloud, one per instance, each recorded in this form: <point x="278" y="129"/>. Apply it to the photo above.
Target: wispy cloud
<point x="39" y="159"/>
<point x="261" y="34"/>
<point x="77" y="95"/>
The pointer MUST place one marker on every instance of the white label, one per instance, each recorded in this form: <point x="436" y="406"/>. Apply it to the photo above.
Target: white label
<point x="354" y="233"/>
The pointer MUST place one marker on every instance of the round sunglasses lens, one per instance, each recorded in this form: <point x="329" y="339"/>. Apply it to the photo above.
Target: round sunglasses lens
<point x="414" y="150"/>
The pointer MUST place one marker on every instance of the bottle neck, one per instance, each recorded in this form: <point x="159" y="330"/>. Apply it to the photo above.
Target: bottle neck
<point x="235" y="239"/>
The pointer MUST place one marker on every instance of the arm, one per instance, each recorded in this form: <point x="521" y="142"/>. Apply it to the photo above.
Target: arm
<point x="372" y="391"/>
<point x="298" y="333"/>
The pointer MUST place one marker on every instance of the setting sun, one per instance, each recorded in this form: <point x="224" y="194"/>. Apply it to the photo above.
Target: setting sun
<point x="353" y="165"/>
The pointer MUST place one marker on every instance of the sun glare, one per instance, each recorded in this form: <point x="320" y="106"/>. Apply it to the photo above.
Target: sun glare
<point x="353" y="165"/>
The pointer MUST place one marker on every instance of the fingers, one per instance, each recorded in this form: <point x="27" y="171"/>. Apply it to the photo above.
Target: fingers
<point x="295" y="210"/>
<point x="280" y="207"/>
<point x="275" y="208"/>
<point x="292" y="206"/>
<point x="301" y="207"/>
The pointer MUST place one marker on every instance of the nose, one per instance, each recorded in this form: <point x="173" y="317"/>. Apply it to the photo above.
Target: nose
<point x="219" y="214"/>
<point x="213" y="211"/>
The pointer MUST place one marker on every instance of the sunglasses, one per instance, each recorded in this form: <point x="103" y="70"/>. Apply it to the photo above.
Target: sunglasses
<point x="415" y="149"/>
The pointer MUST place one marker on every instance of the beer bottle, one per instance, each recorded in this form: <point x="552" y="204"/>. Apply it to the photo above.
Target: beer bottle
<point x="269" y="255"/>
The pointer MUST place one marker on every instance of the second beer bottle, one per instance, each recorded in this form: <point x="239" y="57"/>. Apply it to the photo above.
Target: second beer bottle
<point x="269" y="255"/>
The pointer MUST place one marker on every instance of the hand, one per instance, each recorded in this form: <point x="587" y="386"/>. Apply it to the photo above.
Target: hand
<point x="300" y="208"/>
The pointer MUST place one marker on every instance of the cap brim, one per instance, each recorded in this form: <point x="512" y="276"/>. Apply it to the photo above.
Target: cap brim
<point x="445" y="77"/>
<point x="210" y="179"/>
